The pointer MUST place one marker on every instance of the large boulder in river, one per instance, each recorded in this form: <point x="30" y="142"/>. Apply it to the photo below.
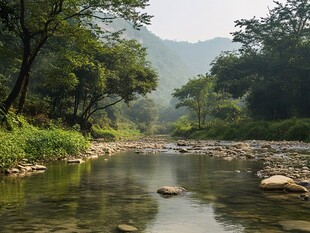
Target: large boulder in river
<point x="170" y="190"/>
<point x="281" y="182"/>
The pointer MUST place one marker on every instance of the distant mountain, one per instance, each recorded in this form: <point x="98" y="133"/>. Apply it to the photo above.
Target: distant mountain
<point x="198" y="56"/>
<point x="175" y="62"/>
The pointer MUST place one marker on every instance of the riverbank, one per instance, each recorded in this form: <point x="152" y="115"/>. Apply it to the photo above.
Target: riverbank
<point x="23" y="147"/>
<point x="291" y="159"/>
<point x="288" y="158"/>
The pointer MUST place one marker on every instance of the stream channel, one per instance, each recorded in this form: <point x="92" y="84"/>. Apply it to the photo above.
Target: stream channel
<point x="100" y="194"/>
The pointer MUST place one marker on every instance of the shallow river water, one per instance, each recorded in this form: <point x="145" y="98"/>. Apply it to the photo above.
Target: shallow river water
<point x="98" y="195"/>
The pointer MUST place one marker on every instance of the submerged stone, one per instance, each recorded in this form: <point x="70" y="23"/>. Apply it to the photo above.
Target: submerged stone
<point x="292" y="187"/>
<point x="126" y="228"/>
<point x="75" y="161"/>
<point x="170" y="190"/>
<point x="293" y="225"/>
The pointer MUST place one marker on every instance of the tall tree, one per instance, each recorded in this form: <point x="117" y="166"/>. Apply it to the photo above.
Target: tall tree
<point x="271" y="69"/>
<point x="35" y="21"/>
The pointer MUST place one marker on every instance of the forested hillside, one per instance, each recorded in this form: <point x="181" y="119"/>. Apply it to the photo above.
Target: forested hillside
<point x="175" y="61"/>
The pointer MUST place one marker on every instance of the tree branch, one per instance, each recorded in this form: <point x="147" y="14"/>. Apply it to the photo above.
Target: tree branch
<point x="104" y="107"/>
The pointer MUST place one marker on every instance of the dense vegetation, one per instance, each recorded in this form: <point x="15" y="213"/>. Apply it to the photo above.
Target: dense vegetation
<point x="20" y="141"/>
<point x="269" y="76"/>
<point x="271" y="70"/>
<point x="58" y="65"/>
<point x="290" y="130"/>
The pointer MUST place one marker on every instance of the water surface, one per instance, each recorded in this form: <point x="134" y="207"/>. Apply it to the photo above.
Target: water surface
<point x="100" y="194"/>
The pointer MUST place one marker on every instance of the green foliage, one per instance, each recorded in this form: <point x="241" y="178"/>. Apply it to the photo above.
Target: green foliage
<point x="110" y="134"/>
<point x="53" y="144"/>
<point x="291" y="129"/>
<point x="182" y="126"/>
<point x="198" y="96"/>
<point x="33" y="23"/>
<point x="11" y="149"/>
<point x="227" y="110"/>
<point x="23" y="141"/>
<point x="143" y="113"/>
<point x="271" y="70"/>
<point x="106" y="74"/>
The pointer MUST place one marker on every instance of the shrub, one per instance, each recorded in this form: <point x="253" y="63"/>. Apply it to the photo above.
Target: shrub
<point x="11" y="149"/>
<point x="23" y="141"/>
<point x="56" y="143"/>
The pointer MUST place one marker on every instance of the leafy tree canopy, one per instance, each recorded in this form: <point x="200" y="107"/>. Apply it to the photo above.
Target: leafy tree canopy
<point x="197" y="95"/>
<point x="271" y="70"/>
<point x="36" y="21"/>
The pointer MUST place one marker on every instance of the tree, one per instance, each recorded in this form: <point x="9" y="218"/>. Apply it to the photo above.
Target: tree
<point x="271" y="70"/>
<point x="197" y="95"/>
<point x="119" y="73"/>
<point x="34" y="22"/>
<point x="78" y="82"/>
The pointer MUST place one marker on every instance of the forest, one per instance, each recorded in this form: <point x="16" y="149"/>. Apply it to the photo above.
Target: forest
<point x="262" y="90"/>
<point x="66" y="77"/>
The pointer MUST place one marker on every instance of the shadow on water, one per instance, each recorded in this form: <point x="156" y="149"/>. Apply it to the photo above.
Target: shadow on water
<point x="98" y="195"/>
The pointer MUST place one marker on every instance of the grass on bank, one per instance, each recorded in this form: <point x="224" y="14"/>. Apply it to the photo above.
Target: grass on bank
<point x="290" y="130"/>
<point x="110" y="134"/>
<point x="20" y="140"/>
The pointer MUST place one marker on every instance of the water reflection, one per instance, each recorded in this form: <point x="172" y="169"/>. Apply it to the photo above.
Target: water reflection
<point x="90" y="197"/>
<point x="98" y="195"/>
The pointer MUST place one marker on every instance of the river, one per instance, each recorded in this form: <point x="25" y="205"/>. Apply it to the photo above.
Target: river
<point x="98" y="195"/>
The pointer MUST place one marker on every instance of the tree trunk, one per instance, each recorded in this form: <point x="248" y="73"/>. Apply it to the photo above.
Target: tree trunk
<point x="22" y="97"/>
<point x="24" y="72"/>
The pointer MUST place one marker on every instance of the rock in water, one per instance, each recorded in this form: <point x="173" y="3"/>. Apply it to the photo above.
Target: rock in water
<point x="39" y="168"/>
<point x="295" y="225"/>
<point x="281" y="182"/>
<point x="292" y="187"/>
<point x="170" y="190"/>
<point x="275" y="182"/>
<point x="75" y="161"/>
<point x="126" y="228"/>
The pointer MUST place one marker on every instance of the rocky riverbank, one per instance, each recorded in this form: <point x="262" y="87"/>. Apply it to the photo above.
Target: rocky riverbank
<point x="291" y="159"/>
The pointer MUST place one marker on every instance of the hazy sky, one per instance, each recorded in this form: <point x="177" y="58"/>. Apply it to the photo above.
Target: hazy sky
<point x="193" y="20"/>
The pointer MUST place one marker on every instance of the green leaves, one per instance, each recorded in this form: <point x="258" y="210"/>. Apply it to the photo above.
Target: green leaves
<point x="53" y="144"/>
<point x="271" y="71"/>
<point x="34" y="22"/>
<point x="36" y="144"/>
<point x="197" y="95"/>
